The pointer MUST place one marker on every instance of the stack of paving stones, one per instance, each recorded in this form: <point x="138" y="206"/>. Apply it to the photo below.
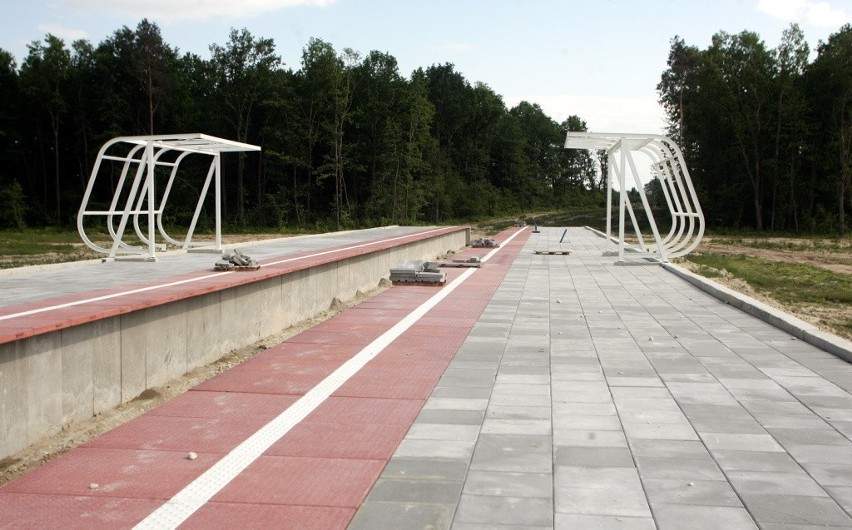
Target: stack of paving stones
<point x="417" y="271"/>
<point x="595" y="396"/>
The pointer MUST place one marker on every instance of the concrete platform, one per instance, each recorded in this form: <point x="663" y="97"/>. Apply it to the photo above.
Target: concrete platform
<point x="79" y="339"/>
<point x="539" y="391"/>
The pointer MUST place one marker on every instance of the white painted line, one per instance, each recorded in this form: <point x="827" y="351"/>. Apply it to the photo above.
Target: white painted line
<point x="109" y="296"/>
<point x="347" y="248"/>
<point x="187" y="501"/>
<point x="191" y="280"/>
<point x="494" y="251"/>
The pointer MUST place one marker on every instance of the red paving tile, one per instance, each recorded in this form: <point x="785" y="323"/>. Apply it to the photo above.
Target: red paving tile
<point x="380" y="385"/>
<point x="181" y="434"/>
<point x="22" y="510"/>
<point x="256" y="381"/>
<point x="264" y="516"/>
<point x="202" y="404"/>
<point x="117" y="472"/>
<point x="364" y="441"/>
<point x="298" y="481"/>
<point x="315" y="336"/>
<point x="430" y="343"/>
<point x="338" y="409"/>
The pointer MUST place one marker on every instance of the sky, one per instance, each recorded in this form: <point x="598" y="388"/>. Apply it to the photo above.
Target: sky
<point x="598" y="59"/>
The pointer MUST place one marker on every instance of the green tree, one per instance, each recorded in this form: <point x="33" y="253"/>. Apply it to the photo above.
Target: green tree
<point x="44" y="74"/>
<point x="316" y="84"/>
<point x="791" y="60"/>
<point x="243" y="72"/>
<point x="153" y="64"/>
<point x="13" y="205"/>
<point x="678" y="82"/>
<point x="831" y="74"/>
<point x="341" y="114"/>
<point x="744" y="68"/>
<point x="10" y="126"/>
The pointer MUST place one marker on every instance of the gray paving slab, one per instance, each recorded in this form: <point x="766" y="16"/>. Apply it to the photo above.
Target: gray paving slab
<point x="600" y="396"/>
<point x="45" y="282"/>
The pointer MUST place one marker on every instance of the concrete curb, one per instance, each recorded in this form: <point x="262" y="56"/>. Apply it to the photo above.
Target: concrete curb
<point x="800" y="329"/>
<point x="837" y="346"/>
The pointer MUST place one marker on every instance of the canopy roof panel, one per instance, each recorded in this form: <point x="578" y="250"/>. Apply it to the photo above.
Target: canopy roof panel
<point x="190" y="142"/>
<point x="607" y="141"/>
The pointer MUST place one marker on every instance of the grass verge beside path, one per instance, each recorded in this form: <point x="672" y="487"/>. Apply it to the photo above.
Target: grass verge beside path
<point x="814" y="294"/>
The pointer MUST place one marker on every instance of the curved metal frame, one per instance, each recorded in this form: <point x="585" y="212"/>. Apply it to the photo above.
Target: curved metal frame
<point x="668" y="166"/>
<point x="147" y="153"/>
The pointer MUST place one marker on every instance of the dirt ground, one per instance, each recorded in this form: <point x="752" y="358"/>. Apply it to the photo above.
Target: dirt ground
<point x="819" y="316"/>
<point x="834" y="261"/>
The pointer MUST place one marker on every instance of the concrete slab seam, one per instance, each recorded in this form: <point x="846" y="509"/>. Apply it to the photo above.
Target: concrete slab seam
<point x="186" y="502"/>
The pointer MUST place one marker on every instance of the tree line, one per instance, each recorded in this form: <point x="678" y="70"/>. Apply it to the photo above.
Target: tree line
<point x="766" y="133"/>
<point x="347" y="140"/>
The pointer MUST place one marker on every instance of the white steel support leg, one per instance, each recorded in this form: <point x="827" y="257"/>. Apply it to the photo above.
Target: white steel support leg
<point x="200" y="205"/>
<point x="641" y="189"/>
<point x="609" y="172"/>
<point x="622" y="199"/>
<point x="151" y="202"/>
<point x="217" y="242"/>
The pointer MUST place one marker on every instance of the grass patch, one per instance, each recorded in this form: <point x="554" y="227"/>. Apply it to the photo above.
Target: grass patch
<point x="832" y="245"/>
<point x="38" y="241"/>
<point x="786" y="282"/>
<point x="595" y="218"/>
<point x="816" y="294"/>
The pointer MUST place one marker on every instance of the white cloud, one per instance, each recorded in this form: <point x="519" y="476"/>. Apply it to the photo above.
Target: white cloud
<point x="67" y="34"/>
<point x="819" y="14"/>
<point x="602" y="113"/>
<point x="189" y="9"/>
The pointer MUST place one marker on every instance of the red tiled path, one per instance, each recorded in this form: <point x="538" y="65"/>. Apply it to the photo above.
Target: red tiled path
<point x="315" y="476"/>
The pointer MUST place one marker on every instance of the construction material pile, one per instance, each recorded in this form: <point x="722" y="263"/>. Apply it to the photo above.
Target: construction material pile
<point x="484" y="242"/>
<point x="417" y="271"/>
<point x="472" y="262"/>
<point x="236" y="262"/>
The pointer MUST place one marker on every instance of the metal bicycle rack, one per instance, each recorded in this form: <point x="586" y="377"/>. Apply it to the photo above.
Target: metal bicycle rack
<point x="666" y="165"/>
<point x="141" y="156"/>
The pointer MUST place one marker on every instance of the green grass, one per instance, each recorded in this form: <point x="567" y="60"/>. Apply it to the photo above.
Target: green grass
<point x="595" y="218"/>
<point x="835" y="245"/>
<point x="785" y="282"/>
<point x="38" y="241"/>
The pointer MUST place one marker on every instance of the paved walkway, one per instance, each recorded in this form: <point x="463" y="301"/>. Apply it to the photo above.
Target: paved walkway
<point x="590" y="395"/>
<point x="545" y="391"/>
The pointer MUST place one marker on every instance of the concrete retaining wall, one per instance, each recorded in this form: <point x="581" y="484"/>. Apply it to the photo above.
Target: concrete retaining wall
<point x="70" y="375"/>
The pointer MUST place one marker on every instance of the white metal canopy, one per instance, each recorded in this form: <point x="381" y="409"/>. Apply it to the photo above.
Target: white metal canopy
<point x="137" y="196"/>
<point x="666" y="165"/>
